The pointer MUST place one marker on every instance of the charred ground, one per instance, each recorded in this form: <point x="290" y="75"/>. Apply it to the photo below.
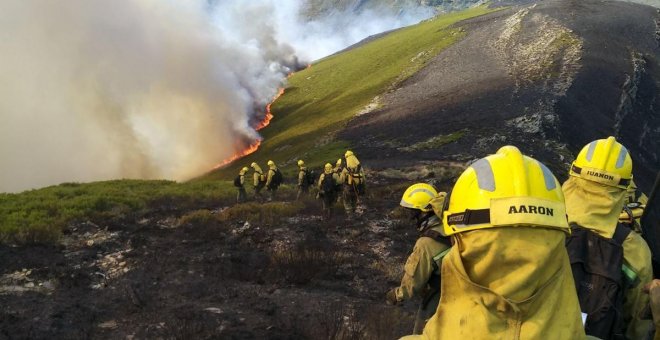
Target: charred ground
<point x="547" y="77"/>
<point x="272" y="271"/>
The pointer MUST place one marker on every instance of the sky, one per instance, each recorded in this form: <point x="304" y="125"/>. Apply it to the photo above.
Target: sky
<point x="152" y="89"/>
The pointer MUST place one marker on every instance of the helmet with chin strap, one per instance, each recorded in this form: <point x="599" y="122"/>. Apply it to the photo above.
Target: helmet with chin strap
<point x="417" y="199"/>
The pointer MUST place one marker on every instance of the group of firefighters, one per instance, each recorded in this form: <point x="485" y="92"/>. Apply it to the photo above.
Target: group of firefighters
<point x="345" y="180"/>
<point x="511" y="253"/>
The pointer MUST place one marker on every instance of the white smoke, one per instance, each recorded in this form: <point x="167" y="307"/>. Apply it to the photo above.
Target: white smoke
<point x="94" y="89"/>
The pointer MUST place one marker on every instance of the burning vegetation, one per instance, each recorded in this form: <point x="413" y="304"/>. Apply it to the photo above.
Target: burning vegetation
<point x="262" y="124"/>
<point x="254" y="145"/>
<point x="250" y="149"/>
<point x="269" y="115"/>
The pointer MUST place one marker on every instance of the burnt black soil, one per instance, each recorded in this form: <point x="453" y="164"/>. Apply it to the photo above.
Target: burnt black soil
<point x="299" y="278"/>
<point x="482" y="88"/>
<point x="302" y="277"/>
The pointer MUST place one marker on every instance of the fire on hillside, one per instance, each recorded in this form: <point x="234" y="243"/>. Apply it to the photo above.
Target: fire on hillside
<point x="269" y="115"/>
<point x="254" y="145"/>
<point x="250" y="149"/>
<point x="262" y="124"/>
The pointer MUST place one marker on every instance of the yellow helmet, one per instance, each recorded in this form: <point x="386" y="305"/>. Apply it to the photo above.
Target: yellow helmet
<point x="271" y="163"/>
<point x="301" y="162"/>
<point x="505" y="189"/>
<point x="348" y="153"/>
<point x="338" y="162"/>
<point x="245" y="169"/>
<point x="254" y="164"/>
<point x="328" y="167"/>
<point x="605" y="161"/>
<point x="418" y="196"/>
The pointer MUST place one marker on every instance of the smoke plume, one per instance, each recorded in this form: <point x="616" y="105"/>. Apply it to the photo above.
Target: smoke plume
<point x="94" y="89"/>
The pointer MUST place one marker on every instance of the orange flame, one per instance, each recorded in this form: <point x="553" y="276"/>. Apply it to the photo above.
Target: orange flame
<point x="269" y="114"/>
<point x="265" y="122"/>
<point x="250" y="149"/>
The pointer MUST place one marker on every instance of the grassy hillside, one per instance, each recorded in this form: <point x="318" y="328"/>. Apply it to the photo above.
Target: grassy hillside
<point x="39" y="216"/>
<point x="320" y="100"/>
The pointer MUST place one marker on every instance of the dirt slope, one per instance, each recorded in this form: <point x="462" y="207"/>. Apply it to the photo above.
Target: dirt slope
<point x="547" y="77"/>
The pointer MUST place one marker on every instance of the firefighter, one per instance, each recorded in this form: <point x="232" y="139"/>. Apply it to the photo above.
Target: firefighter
<point x="352" y="179"/>
<point x="338" y="168"/>
<point x="327" y="190"/>
<point x="595" y="194"/>
<point x="633" y="207"/>
<point x="421" y="277"/>
<point x="259" y="181"/>
<point x="508" y="275"/>
<point x="303" y="179"/>
<point x="273" y="180"/>
<point x="239" y="182"/>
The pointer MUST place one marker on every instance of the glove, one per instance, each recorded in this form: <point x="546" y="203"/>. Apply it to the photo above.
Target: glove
<point x="390" y="297"/>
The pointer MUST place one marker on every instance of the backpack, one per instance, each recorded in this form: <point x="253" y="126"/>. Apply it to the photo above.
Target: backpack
<point x="237" y="181"/>
<point x="328" y="184"/>
<point x="356" y="179"/>
<point x="597" y="264"/>
<point x="309" y="178"/>
<point x="276" y="180"/>
<point x="262" y="180"/>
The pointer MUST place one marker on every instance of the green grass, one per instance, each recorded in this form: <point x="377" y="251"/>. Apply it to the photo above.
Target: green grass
<point x="39" y="216"/>
<point x="435" y="142"/>
<point x="322" y="99"/>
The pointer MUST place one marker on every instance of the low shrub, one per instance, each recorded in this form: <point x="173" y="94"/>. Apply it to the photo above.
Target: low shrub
<point x="267" y="213"/>
<point x="334" y="321"/>
<point x="198" y="217"/>
<point x="302" y="263"/>
<point x="385" y="322"/>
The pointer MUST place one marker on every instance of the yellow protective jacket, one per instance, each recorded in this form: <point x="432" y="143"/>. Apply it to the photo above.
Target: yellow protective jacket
<point x="421" y="264"/>
<point x="257" y="176"/>
<point x="506" y="283"/>
<point x="271" y="173"/>
<point x="597" y="207"/>
<point x="352" y="173"/>
<point x="241" y="175"/>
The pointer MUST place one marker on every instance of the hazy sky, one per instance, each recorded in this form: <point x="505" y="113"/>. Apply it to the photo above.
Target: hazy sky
<point x="95" y="89"/>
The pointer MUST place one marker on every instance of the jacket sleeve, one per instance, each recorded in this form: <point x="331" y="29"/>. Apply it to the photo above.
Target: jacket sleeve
<point x="638" y="255"/>
<point x="418" y="269"/>
<point x="255" y="179"/>
<point x="242" y="180"/>
<point x="318" y="185"/>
